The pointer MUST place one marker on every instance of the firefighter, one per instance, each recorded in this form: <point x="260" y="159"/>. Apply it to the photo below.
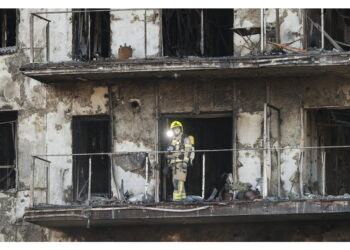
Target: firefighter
<point x="179" y="161"/>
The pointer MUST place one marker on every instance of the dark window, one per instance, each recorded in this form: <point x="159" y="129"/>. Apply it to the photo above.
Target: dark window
<point x="336" y="25"/>
<point x="196" y="32"/>
<point x="218" y="36"/>
<point x="8" y="150"/>
<point x="182" y="32"/>
<point x="91" y="35"/>
<point x="329" y="127"/>
<point x="8" y="27"/>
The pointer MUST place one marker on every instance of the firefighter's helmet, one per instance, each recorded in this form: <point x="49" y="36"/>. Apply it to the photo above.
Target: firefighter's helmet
<point x="176" y="124"/>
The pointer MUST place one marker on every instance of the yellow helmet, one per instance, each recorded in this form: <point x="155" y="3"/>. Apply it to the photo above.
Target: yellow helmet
<point x="176" y="124"/>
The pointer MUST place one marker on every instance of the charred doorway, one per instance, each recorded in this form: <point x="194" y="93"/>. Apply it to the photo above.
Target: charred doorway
<point x="91" y="134"/>
<point x="330" y="167"/>
<point x="209" y="133"/>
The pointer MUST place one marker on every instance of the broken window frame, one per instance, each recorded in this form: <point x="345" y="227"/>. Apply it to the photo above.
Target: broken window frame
<point x="6" y="48"/>
<point x="89" y="53"/>
<point x="12" y="167"/>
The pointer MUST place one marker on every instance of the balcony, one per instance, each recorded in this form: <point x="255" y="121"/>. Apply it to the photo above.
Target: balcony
<point x="88" y="209"/>
<point x="91" y="63"/>
<point x="173" y="68"/>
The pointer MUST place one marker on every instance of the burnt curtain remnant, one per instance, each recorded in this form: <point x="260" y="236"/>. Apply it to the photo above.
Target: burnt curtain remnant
<point x="7" y="27"/>
<point x="91" y="35"/>
<point x="8" y="150"/>
<point x="197" y="32"/>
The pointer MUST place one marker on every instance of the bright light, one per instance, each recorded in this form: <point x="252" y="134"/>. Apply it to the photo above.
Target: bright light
<point x="170" y="133"/>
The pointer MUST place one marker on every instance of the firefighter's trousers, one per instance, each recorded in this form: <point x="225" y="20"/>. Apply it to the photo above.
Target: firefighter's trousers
<point x="179" y="177"/>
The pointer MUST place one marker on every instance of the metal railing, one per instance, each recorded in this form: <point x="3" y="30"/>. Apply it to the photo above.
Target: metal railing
<point x="266" y="185"/>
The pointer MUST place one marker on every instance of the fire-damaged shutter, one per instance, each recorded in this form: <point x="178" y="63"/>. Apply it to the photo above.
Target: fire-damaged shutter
<point x="8" y="150"/>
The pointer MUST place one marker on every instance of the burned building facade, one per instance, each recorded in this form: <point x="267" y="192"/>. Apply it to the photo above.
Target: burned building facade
<point x="86" y="98"/>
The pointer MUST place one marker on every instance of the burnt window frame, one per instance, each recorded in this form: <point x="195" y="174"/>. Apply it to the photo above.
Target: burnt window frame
<point x="13" y="121"/>
<point x="75" y="42"/>
<point x="10" y="49"/>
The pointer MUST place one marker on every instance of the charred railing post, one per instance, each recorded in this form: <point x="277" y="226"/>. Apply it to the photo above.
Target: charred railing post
<point x="89" y="183"/>
<point x="47" y="183"/>
<point x="265" y="179"/>
<point x="32" y="184"/>
<point x="145" y="26"/>
<point x="48" y="41"/>
<point x="262" y="30"/>
<point x="323" y="156"/>
<point x="203" y="175"/>
<point x="146" y="182"/>
<point x="31" y="37"/>
<point x="322" y="29"/>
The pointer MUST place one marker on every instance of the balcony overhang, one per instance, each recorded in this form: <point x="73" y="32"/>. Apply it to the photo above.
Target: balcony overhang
<point x="160" y="68"/>
<point x="171" y="213"/>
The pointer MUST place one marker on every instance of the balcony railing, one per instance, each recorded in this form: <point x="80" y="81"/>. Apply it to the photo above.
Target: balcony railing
<point x="270" y="169"/>
<point x="261" y="44"/>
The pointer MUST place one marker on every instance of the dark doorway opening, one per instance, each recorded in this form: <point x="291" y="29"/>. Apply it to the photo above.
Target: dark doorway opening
<point x="209" y="133"/>
<point x="8" y="23"/>
<point x="329" y="127"/>
<point x="91" y="134"/>
<point x="91" y="35"/>
<point x="197" y="32"/>
<point x="8" y="121"/>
